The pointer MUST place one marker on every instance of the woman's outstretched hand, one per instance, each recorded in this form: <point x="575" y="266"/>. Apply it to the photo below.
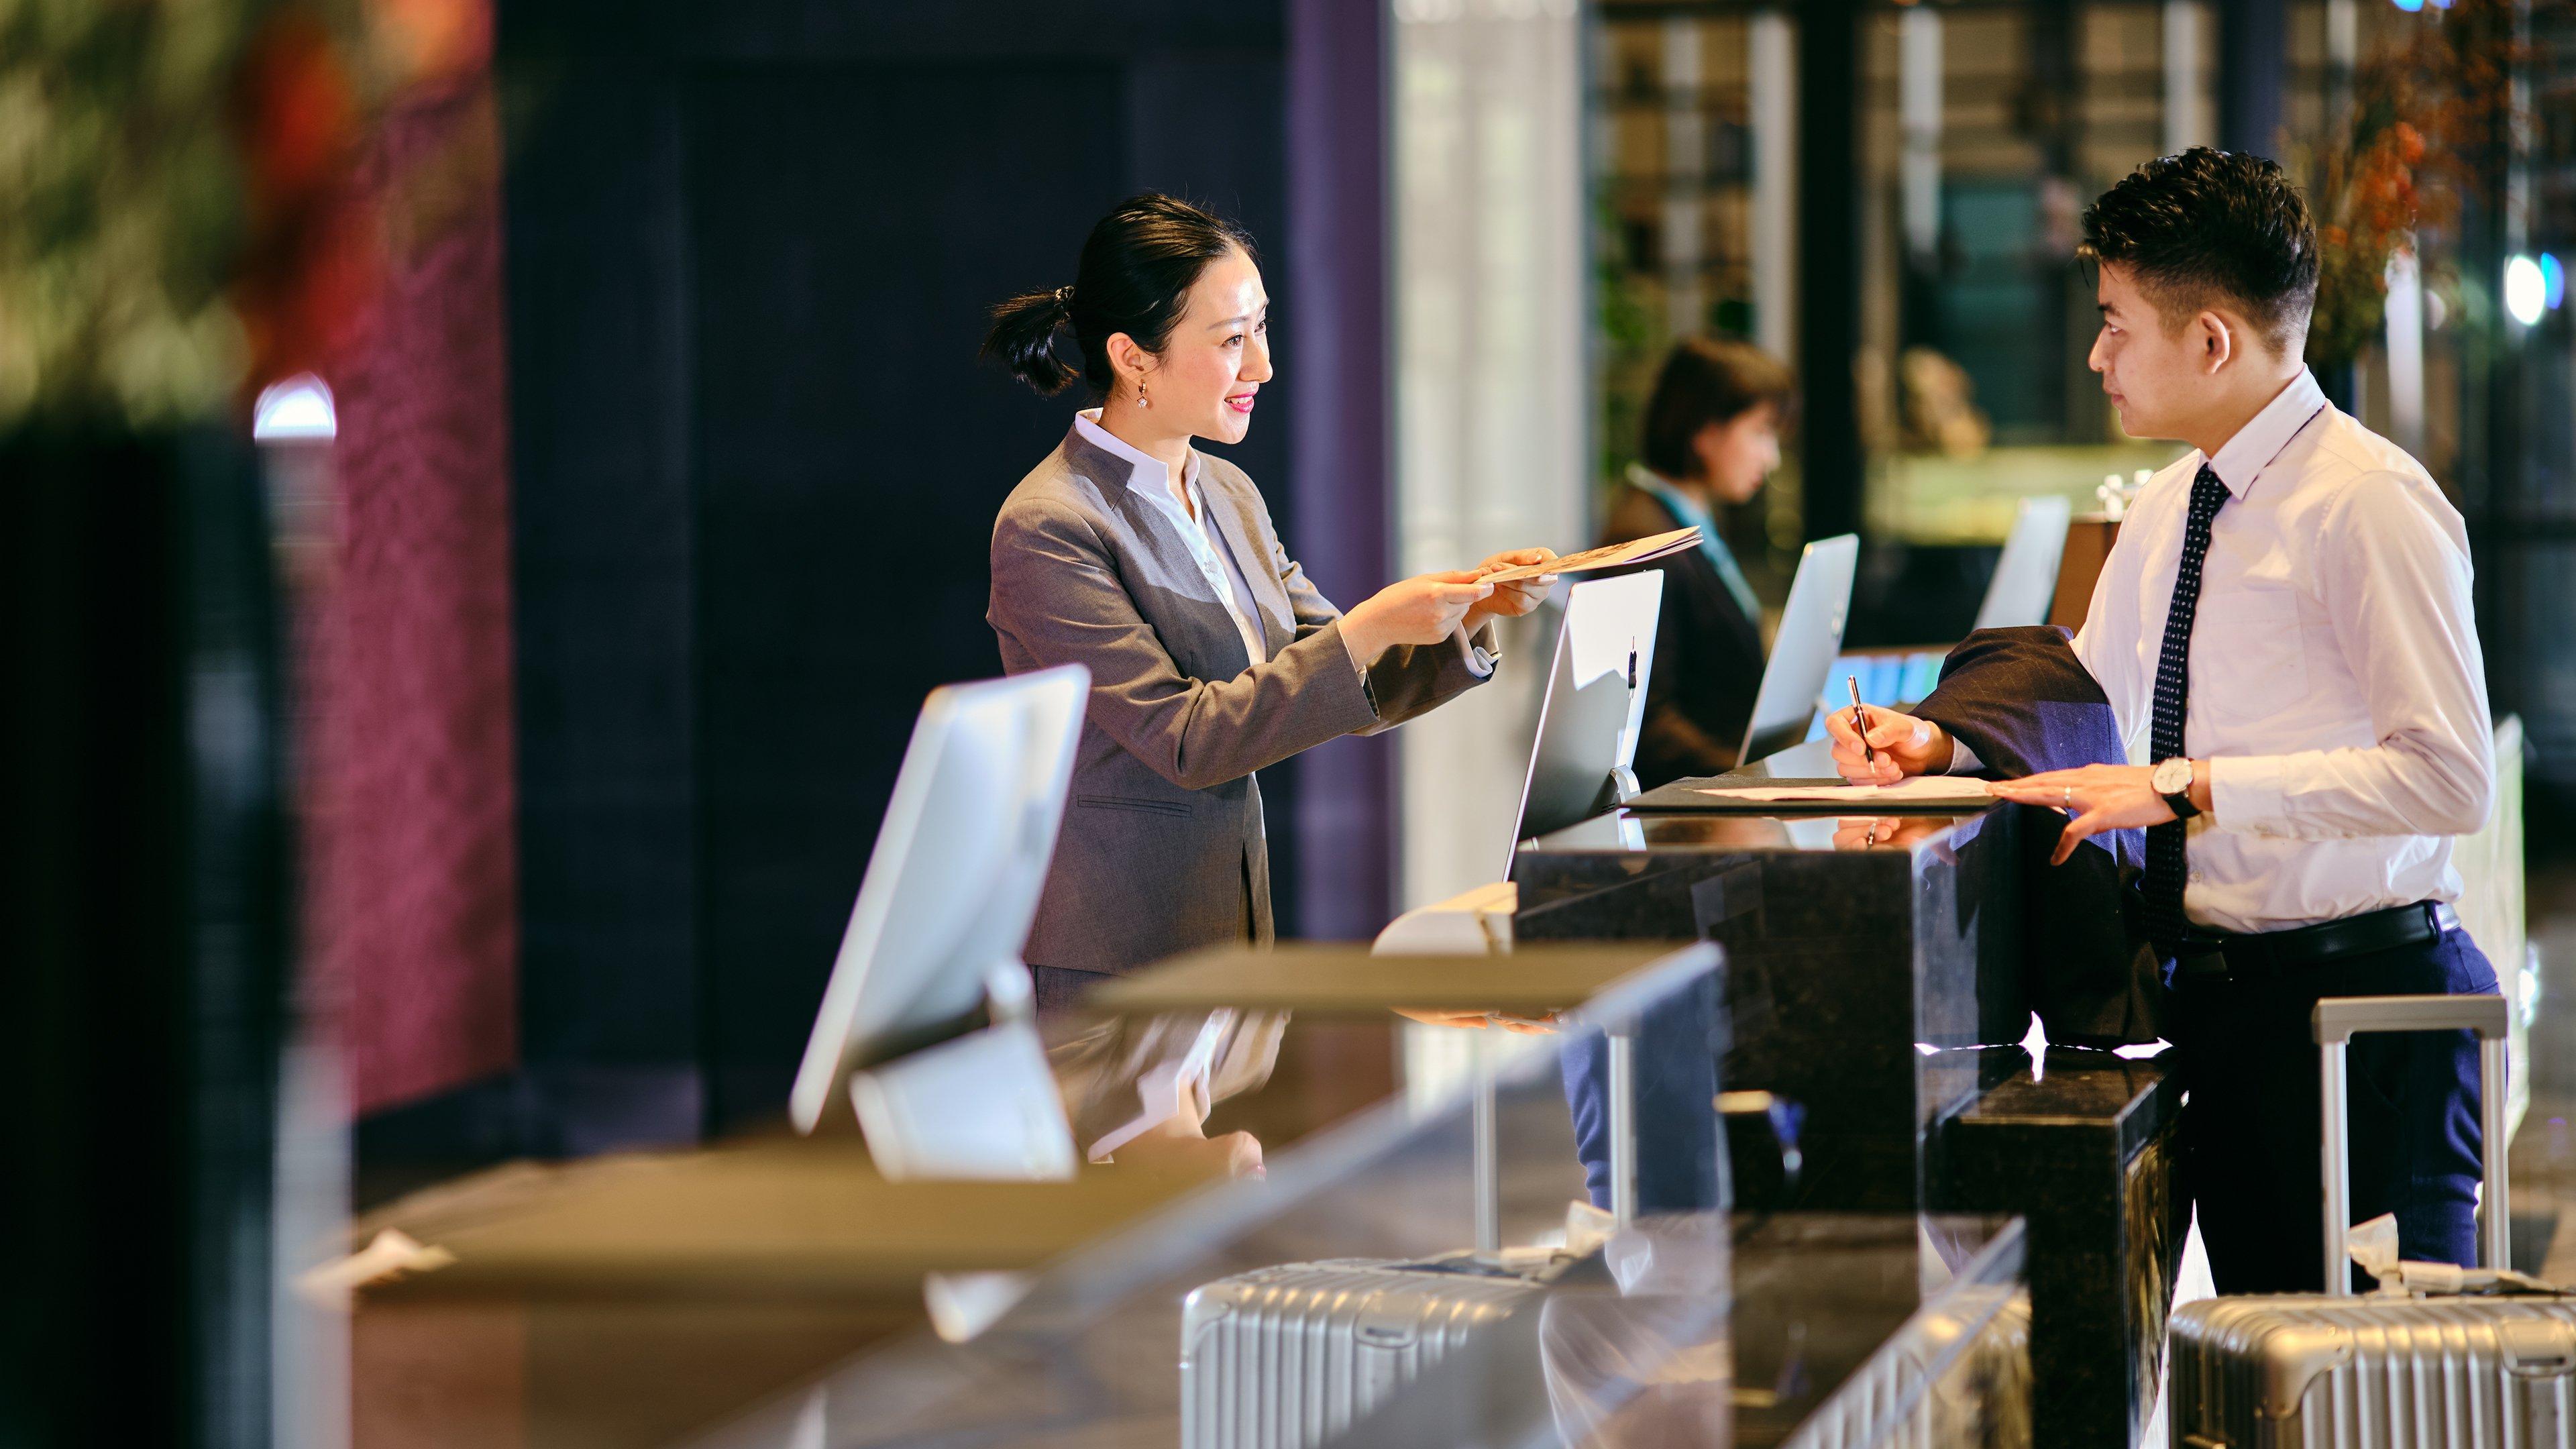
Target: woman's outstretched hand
<point x="1421" y="610"/>
<point x="1511" y="600"/>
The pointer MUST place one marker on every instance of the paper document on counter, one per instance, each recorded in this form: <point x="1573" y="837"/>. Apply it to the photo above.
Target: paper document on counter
<point x="1608" y="556"/>
<point x="1917" y="790"/>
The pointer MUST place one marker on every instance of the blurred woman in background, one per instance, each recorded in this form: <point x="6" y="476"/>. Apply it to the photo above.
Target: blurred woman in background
<point x="1712" y="436"/>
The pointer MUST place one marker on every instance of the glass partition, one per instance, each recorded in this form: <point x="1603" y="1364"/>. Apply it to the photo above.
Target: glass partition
<point x="1476" y="1258"/>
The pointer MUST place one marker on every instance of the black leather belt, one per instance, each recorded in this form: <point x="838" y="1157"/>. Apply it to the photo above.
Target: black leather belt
<point x="2273" y="952"/>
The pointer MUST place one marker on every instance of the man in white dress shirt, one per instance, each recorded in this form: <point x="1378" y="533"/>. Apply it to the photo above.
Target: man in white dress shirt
<point x="2285" y="634"/>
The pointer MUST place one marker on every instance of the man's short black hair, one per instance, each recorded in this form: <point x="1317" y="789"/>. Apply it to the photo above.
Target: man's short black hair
<point x="2209" y="226"/>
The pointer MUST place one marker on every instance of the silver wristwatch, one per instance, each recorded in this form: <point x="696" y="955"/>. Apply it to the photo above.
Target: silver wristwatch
<point x="2172" y="779"/>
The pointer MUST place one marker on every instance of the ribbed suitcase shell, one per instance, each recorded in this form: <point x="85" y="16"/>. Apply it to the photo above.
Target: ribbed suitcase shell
<point x="2312" y="1372"/>
<point x="1287" y="1357"/>
<point x="1955" y="1380"/>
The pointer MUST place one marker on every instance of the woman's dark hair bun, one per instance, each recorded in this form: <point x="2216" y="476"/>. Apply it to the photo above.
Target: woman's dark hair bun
<point x="1138" y="266"/>
<point x="1023" y="336"/>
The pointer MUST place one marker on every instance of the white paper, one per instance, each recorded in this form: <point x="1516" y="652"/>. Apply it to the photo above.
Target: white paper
<point x="1916" y="790"/>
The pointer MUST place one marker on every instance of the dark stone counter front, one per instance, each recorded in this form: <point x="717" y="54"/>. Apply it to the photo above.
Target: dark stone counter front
<point x="1876" y="975"/>
<point x="1847" y="959"/>
<point x="2082" y="1143"/>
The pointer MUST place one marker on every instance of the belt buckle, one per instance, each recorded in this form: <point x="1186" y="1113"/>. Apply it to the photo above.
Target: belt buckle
<point x="2201" y="961"/>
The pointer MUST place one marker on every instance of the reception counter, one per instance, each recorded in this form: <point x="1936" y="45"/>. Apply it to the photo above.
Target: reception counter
<point x="1428" y="1272"/>
<point x="755" y="1294"/>
<point x="1877" y="975"/>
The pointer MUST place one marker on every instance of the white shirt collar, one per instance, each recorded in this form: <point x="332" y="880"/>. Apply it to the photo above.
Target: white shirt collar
<point x="2242" y="459"/>
<point x="1145" y="473"/>
<point x="1645" y="477"/>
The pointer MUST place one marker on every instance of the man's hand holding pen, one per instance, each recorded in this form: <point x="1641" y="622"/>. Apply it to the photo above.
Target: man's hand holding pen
<point x="1897" y="745"/>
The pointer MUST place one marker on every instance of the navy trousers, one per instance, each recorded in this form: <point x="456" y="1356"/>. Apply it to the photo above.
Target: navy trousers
<point x="2251" y="1132"/>
<point x="1680" y="1146"/>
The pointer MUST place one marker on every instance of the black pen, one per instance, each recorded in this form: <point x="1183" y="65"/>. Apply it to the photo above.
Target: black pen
<point x="1860" y="721"/>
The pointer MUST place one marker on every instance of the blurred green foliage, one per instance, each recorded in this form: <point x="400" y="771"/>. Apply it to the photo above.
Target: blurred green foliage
<point x="121" y="194"/>
<point x="1630" y="339"/>
<point x="123" y="212"/>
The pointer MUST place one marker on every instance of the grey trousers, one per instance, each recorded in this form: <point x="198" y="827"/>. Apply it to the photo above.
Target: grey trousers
<point x="1061" y="987"/>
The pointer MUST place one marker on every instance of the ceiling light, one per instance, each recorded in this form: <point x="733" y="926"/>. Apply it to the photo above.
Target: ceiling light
<point x="2526" y="290"/>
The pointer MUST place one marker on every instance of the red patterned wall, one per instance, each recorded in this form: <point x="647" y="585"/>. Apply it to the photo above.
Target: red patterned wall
<point x="413" y="907"/>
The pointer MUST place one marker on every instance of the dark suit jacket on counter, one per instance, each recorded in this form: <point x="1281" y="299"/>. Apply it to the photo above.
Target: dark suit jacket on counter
<point x="1708" y="655"/>
<point x="2024" y="703"/>
<point x="1162" y="849"/>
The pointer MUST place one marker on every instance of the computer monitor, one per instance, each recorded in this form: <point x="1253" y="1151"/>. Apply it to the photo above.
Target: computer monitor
<point x="1594" y="705"/>
<point x="953" y="884"/>
<point x="1802" y="653"/>
<point x="2025" y="581"/>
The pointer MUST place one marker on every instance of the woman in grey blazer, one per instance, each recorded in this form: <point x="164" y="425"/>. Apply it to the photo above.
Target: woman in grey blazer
<point x="1155" y="565"/>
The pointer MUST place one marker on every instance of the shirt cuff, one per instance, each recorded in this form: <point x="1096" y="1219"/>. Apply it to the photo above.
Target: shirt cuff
<point x="2249" y="795"/>
<point x="1352" y="655"/>
<point x="1963" y="761"/>
<point x="1480" y="658"/>
<point x="1368" y="690"/>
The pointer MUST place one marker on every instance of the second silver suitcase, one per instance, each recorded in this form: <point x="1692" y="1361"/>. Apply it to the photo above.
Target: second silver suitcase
<point x="1288" y="1357"/>
<point x="2310" y="1372"/>
<point x="2390" y="1371"/>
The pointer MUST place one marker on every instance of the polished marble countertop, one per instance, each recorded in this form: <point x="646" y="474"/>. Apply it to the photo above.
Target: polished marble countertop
<point x="1697" y="1328"/>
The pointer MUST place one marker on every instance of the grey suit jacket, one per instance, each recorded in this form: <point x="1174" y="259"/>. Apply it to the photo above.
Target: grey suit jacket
<point x="1163" y="849"/>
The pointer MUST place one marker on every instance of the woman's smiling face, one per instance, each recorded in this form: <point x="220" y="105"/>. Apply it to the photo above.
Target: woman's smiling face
<point x="1217" y="356"/>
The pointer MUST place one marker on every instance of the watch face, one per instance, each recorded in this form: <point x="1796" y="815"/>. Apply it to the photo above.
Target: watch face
<point x="2172" y="777"/>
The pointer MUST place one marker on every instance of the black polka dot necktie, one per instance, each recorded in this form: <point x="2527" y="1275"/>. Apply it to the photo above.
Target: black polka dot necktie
<point x="2165" y="843"/>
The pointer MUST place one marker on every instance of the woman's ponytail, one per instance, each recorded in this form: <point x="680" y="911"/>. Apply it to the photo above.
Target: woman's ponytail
<point x="1023" y="337"/>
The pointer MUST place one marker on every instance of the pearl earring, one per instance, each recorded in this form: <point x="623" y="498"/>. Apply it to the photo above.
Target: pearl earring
<point x="1141" y="400"/>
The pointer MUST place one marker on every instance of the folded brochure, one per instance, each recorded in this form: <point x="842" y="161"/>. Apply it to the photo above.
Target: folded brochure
<point x="1608" y="556"/>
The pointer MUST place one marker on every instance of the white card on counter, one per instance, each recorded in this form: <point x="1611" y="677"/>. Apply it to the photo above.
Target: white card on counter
<point x="1915" y="790"/>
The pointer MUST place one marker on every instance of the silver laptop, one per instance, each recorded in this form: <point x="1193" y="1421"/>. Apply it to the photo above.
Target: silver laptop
<point x="1802" y="653"/>
<point x="1594" y="706"/>
<point x="2025" y="581"/>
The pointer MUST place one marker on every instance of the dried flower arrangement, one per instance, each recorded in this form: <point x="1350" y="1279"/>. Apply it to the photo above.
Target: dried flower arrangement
<point x="179" y="226"/>
<point x="2407" y="157"/>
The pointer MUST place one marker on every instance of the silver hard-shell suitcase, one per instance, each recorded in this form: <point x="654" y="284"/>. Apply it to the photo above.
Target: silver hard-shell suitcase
<point x="2390" y="1371"/>
<point x="1288" y="1357"/>
<point x="2368" y="1373"/>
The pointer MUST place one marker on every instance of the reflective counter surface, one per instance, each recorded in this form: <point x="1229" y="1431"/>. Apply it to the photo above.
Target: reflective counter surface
<point x="769" y="1293"/>
<point x="1647" y="830"/>
<point x="1742" y="1330"/>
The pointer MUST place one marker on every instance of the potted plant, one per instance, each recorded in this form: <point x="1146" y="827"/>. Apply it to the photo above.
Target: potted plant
<point x="2399" y="161"/>
<point x="174" y="231"/>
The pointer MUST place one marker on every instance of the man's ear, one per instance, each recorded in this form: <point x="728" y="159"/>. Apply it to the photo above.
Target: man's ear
<point x="2217" y="338"/>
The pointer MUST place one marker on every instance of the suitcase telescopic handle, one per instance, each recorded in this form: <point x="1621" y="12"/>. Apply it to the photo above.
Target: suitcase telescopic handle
<point x="2338" y="1019"/>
